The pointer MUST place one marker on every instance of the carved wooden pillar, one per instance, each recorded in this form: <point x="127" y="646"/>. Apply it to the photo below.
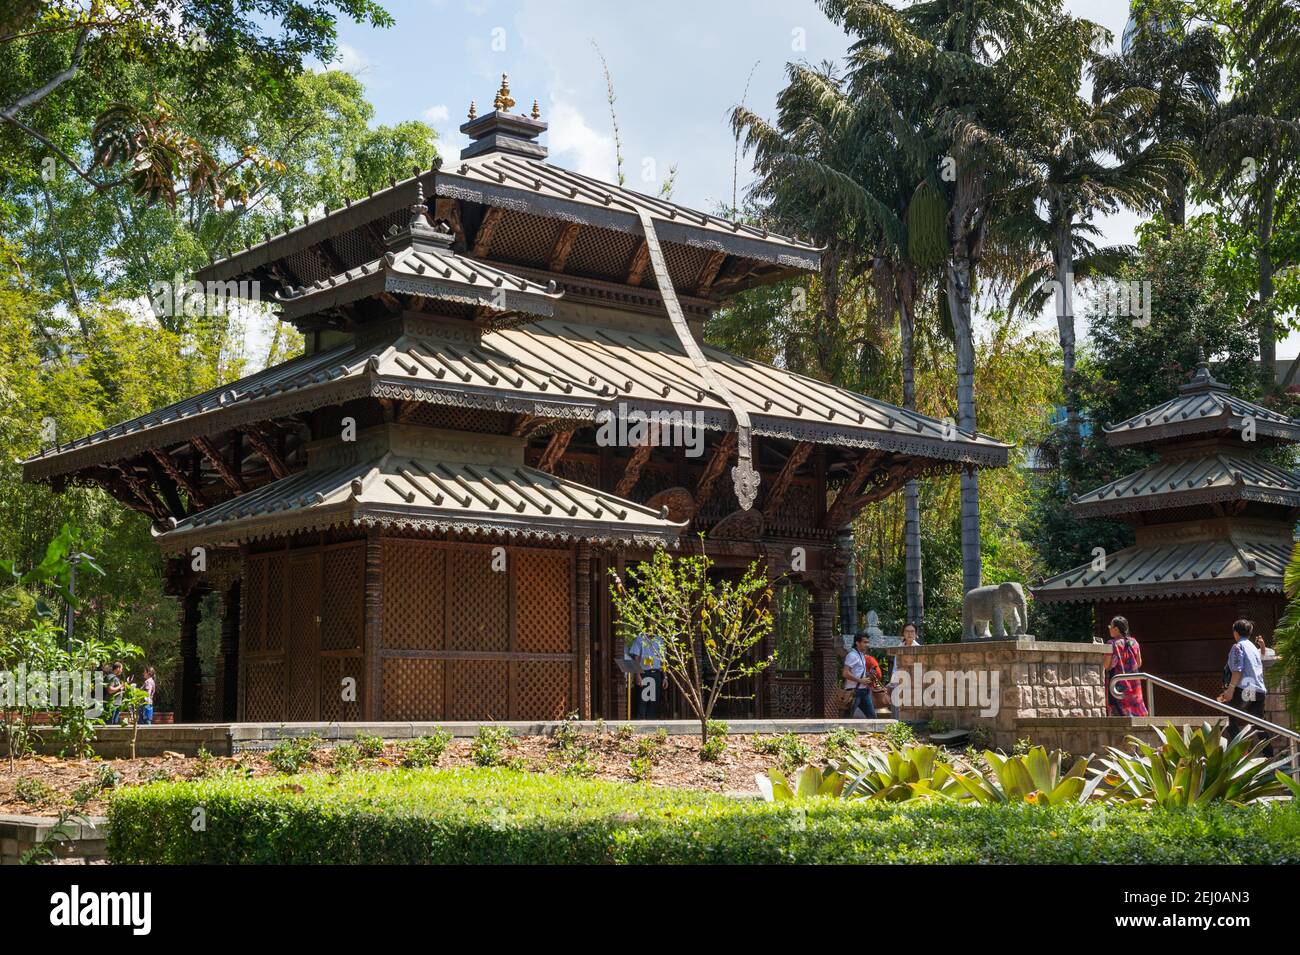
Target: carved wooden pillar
<point x="191" y="675"/>
<point x="227" y="676"/>
<point x="372" y="689"/>
<point x="583" y="635"/>
<point x="618" y="680"/>
<point x="825" y="661"/>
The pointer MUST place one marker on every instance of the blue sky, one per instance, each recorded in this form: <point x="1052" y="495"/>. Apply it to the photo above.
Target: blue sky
<point x="678" y="67"/>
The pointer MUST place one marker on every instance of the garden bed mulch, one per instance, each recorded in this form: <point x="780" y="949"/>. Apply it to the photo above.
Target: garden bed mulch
<point x="43" y="785"/>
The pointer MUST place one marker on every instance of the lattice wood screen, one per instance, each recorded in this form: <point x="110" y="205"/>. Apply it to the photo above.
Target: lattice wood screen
<point x="343" y="597"/>
<point x="264" y="691"/>
<point x="480" y="690"/>
<point x="413" y="688"/>
<point x="253" y="605"/>
<point x="480" y="605"/>
<point x="277" y="608"/>
<point x="542" y="689"/>
<point x="508" y="647"/>
<point x="543" y="592"/>
<point x="415" y="574"/>
<point x="303" y="654"/>
<point x="333" y="672"/>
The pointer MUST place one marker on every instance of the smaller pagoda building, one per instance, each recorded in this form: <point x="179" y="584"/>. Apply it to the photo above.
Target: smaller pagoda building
<point x="1215" y="524"/>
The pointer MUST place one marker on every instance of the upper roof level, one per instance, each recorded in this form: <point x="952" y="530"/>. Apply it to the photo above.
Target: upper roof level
<point x="503" y="203"/>
<point x="1204" y="407"/>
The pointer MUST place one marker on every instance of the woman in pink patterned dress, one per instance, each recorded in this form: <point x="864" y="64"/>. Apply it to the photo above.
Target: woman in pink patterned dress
<point x="1125" y="657"/>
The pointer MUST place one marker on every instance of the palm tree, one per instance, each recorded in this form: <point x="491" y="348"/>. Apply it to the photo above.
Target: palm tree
<point x="1180" y="67"/>
<point x="1075" y="185"/>
<point x="986" y="75"/>
<point x="837" y="155"/>
<point x="1251" y="147"/>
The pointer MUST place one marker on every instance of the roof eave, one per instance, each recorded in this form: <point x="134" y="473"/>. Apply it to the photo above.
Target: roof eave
<point x="623" y="220"/>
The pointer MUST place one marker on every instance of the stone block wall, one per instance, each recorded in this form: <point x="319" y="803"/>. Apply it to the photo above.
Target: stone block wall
<point x="1056" y="690"/>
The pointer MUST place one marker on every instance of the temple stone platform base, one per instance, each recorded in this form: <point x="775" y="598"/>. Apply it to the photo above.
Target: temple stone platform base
<point x="1049" y="693"/>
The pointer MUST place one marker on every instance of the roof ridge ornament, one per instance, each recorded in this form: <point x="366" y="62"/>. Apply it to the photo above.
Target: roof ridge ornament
<point x="504" y="102"/>
<point x="504" y="131"/>
<point x="1203" y="381"/>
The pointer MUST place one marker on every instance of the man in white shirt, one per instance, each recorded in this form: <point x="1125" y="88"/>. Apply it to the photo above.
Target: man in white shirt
<point x="857" y="672"/>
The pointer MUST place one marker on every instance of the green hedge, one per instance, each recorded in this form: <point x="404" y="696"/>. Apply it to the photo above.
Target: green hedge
<point x="498" y="815"/>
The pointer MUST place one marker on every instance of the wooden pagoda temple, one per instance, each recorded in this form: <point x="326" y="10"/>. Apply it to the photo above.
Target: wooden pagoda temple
<point x="1214" y="524"/>
<point x="421" y="507"/>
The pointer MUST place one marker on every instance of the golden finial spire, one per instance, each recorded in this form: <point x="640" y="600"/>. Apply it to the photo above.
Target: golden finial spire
<point x="503" y="101"/>
<point x="537" y="111"/>
<point x="473" y="110"/>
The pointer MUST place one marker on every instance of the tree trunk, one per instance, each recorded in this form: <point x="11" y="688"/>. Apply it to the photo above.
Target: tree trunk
<point x="1063" y="259"/>
<point x="912" y="490"/>
<point x="1267" y="330"/>
<point x="959" y="305"/>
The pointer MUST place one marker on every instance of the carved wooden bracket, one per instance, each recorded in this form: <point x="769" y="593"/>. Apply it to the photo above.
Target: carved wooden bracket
<point x="555" y="449"/>
<point x="231" y="479"/>
<point x="259" y="444"/>
<point x="177" y="474"/>
<point x="776" y="493"/>
<point x="713" y="470"/>
<point x="487" y="228"/>
<point x="563" y="246"/>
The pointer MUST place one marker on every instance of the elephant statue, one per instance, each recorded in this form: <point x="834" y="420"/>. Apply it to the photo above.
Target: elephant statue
<point x="997" y="604"/>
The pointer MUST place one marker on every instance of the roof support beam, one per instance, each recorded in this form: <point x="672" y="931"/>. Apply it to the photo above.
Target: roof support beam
<point x="633" y="470"/>
<point x="166" y="488"/>
<point x="563" y="246"/>
<point x="839" y="513"/>
<point x="555" y="449"/>
<point x="709" y="273"/>
<point x="258" y="442"/>
<point x="897" y="478"/>
<point x="640" y="259"/>
<point x="713" y="470"/>
<point x="149" y="504"/>
<point x="776" y="493"/>
<point x="177" y="474"/>
<point x="483" y="239"/>
<point x="228" y="476"/>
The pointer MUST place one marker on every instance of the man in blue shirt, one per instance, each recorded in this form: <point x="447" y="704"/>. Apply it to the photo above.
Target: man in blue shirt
<point x="648" y="652"/>
<point x="1245" y="689"/>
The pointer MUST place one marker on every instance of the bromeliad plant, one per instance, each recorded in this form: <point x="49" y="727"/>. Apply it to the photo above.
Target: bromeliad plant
<point x="1034" y="778"/>
<point x="809" y="784"/>
<point x="899" y="775"/>
<point x="1194" y="768"/>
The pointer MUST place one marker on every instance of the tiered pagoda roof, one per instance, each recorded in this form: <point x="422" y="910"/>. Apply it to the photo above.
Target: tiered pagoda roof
<point x="499" y="285"/>
<point x="1213" y="516"/>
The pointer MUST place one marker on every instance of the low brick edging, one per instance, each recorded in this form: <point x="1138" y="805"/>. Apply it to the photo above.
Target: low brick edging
<point x="226" y="739"/>
<point x="85" y="840"/>
<point x="114" y="742"/>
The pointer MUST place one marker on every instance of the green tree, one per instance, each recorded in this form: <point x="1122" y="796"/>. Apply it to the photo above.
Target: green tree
<point x="708" y="628"/>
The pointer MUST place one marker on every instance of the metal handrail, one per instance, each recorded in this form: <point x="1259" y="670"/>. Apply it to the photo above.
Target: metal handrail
<point x="1232" y="711"/>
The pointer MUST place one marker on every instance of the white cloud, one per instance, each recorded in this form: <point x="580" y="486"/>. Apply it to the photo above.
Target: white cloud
<point x="437" y="114"/>
<point x="587" y="151"/>
<point x="350" y="60"/>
